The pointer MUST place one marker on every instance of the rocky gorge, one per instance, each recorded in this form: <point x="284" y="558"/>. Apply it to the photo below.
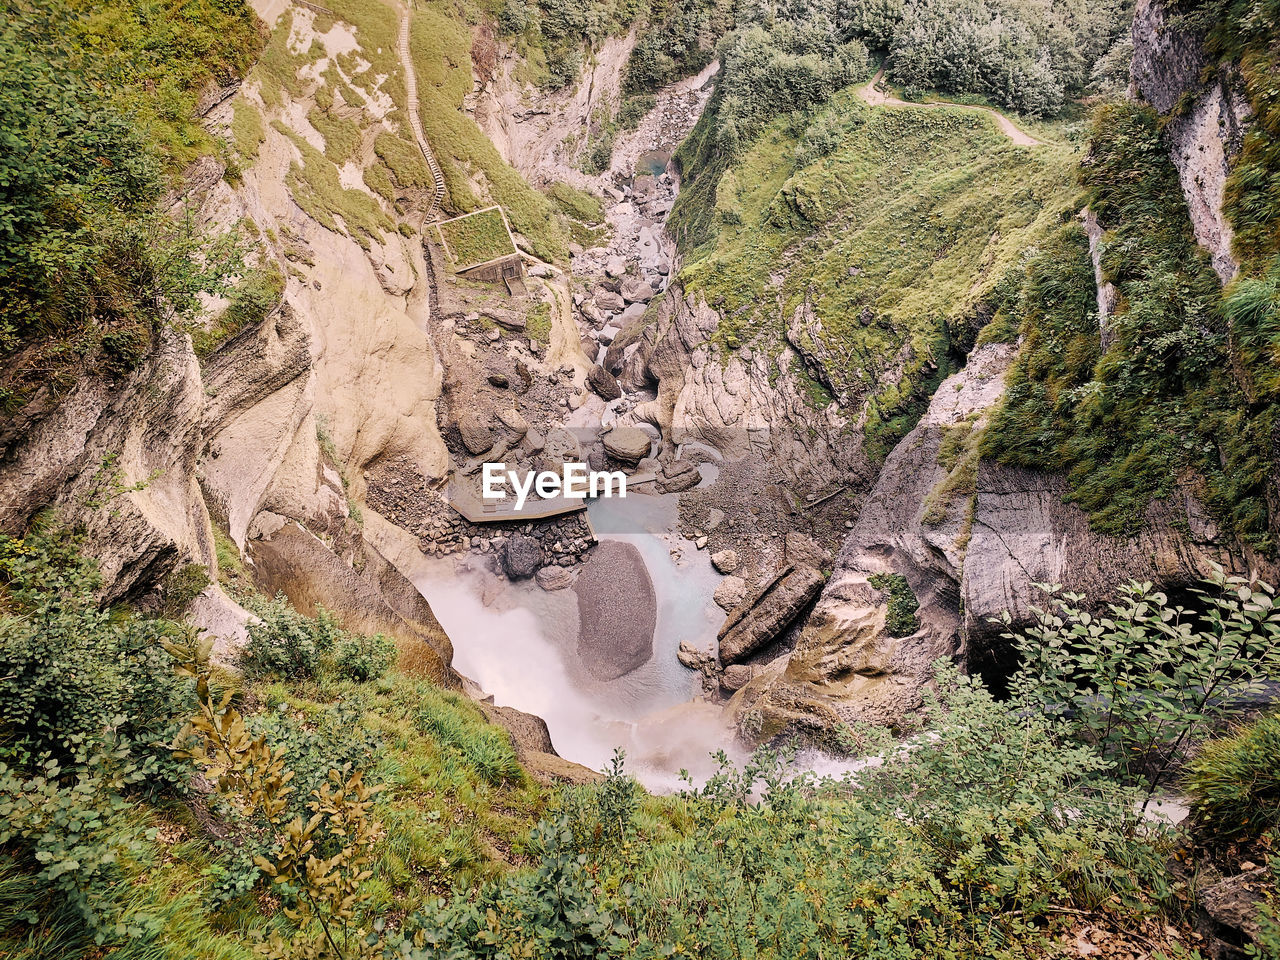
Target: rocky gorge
<point x="321" y="442"/>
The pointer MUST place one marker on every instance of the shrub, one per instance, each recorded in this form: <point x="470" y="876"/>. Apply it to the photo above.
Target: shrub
<point x="284" y="643"/>
<point x="1141" y="682"/>
<point x="1234" y="781"/>
<point x="75" y="679"/>
<point x="901" y="620"/>
<point x="360" y="657"/>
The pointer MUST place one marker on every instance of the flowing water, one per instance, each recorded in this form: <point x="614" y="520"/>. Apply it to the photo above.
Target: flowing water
<point x="519" y="643"/>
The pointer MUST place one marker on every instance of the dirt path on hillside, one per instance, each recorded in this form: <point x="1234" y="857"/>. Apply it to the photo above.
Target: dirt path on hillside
<point x="872" y="94"/>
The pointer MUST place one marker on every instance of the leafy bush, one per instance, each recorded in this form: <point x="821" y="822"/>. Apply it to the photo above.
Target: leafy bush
<point x="1234" y="781"/>
<point x="360" y="657"/>
<point x="902" y="620"/>
<point x="959" y="845"/>
<point x="90" y="266"/>
<point x="284" y="643"/>
<point x="76" y="680"/>
<point x="1143" y="681"/>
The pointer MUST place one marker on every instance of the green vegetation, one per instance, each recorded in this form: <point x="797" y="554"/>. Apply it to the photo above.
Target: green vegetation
<point x="105" y="847"/>
<point x="897" y="229"/>
<point x="441" y="45"/>
<point x="1128" y="422"/>
<point x="247" y="130"/>
<point x="159" y="56"/>
<point x="90" y="267"/>
<point x="404" y="161"/>
<point x="538" y="322"/>
<point x="252" y="299"/>
<point x="1048" y="51"/>
<point x="318" y="191"/>
<point x="476" y="238"/>
<point x="958" y="454"/>
<point x="1147" y="678"/>
<point x="1235" y="783"/>
<point x="356" y="814"/>
<point x="901" y="620"/>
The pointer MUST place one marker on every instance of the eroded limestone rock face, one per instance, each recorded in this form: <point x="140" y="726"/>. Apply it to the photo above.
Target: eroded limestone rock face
<point x="970" y="547"/>
<point x="118" y="458"/>
<point x="1203" y="138"/>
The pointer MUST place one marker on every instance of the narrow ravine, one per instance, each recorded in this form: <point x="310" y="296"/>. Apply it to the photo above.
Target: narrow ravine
<point x="518" y="641"/>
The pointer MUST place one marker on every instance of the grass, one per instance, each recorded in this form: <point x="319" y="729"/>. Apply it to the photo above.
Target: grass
<point x="404" y="162"/>
<point x="477" y="238"/>
<point x="897" y="240"/>
<point x="253" y="298"/>
<point x="538" y="323"/>
<point x="318" y="191"/>
<point x="247" y="131"/>
<point x="1168" y="397"/>
<point x="342" y="136"/>
<point x="441" y="50"/>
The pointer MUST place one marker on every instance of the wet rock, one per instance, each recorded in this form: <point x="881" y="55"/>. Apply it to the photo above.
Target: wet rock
<point x="762" y="617"/>
<point x="731" y="592"/>
<point x="617" y="611"/>
<point x="522" y="557"/>
<point x="693" y="658"/>
<point x="736" y="676"/>
<point x="725" y="561"/>
<point x="604" y="383"/>
<point x="554" y="578"/>
<point x="628" y="444"/>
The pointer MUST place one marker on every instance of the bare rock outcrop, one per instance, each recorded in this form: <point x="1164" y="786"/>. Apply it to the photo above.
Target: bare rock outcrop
<point x="971" y="539"/>
<point x="767" y="612"/>
<point x="1204" y="136"/>
<point x="118" y="459"/>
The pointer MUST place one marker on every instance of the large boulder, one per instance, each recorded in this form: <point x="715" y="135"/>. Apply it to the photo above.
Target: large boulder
<point x="608" y="301"/>
<point x="617" y="611"/>
<point x="678" y="476"/>
<point x="522" y="556"/>
<point x="628" y="444"/>
<point x="476" y="435"/>
<point x="763" y="616"/>
<point x="635" y="290"/>
<point x="604" y="383"/>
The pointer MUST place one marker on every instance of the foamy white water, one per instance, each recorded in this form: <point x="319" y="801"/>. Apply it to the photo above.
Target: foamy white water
<point x="519" y="643"/>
